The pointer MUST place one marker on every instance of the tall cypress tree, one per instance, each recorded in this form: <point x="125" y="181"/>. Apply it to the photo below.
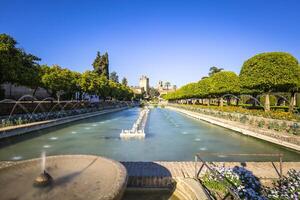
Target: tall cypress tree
<point x="105" y="65"/>
<point x="101" y="65"/>
<point x="97" y="64"/>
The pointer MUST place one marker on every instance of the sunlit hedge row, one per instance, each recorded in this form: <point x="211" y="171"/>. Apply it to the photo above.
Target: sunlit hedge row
<point x="264" y="73"/>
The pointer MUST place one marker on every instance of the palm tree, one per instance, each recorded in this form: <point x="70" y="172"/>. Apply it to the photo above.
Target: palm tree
<point x="167" y="85"/>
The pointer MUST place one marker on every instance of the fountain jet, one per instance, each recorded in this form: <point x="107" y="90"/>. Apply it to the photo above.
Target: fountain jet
<point x="44" y="178"/>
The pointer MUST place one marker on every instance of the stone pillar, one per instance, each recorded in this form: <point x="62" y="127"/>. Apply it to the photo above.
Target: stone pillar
<point x="267" y="102"/>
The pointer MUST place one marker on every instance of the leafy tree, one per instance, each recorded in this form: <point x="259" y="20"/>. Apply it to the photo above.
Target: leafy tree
<point x="59" y="80"/>
<point x="101" y="65"/>
<point x="271" y="72"/>
<point x="105" y="64"/>
<point x="119" y="91"/>
<point x="8" y="59"/>
<point x="204" y="88"/>
<point x="97" y="64"/>
<point x="124" y="81"/>
<point x="225" y="82"/>
<point x="16" y="66"/>
<point x="114" y="77"/>
<point x="153" y="92"/>
<point x="103" y="89"/>
<point x="213" y="70"/>
<point x="88" y="82"/>
<point x="93" y="84"/>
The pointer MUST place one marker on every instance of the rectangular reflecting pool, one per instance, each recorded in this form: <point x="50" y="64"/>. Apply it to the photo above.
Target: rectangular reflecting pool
<point x="170" y="136"/>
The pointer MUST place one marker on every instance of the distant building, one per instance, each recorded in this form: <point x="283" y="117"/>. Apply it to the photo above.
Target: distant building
<point x="160" y="85"/>
<point x="137" y="90"/>
<point x="165" y="87"/>
<point x="144" y="83"/>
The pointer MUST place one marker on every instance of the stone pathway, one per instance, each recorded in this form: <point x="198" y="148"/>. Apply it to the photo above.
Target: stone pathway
<point x="163" y="174"/>
<point x="160" y="169"/>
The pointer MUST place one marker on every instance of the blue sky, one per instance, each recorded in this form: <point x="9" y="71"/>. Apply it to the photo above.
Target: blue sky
<point x="165" y="40"/>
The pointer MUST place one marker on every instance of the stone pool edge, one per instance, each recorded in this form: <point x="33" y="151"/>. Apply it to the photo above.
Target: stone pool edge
<point x="224" y="123"/>
<point x="26" y="128"/>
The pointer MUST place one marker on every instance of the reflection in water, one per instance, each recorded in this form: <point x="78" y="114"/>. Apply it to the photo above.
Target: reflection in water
<point x="170" y="136"/>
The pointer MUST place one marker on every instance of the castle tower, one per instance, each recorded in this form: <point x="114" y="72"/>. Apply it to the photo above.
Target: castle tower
<point x="144" y="83"/>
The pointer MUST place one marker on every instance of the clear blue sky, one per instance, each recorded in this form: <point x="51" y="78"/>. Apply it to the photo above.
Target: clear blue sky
<point x="165" y="40"/>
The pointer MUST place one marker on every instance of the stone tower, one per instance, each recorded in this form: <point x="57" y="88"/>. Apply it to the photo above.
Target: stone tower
<point x="144" y="84"/>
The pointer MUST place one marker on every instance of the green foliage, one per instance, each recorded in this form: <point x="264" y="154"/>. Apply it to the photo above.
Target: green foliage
<point x="120" y="91"/>
<point x="213" y="70"/>
<point x="244" y="119"/>
<point x="16" y="66"/>
<point x="59" y="80"/>
<point x="261" y="74"/>
<point x="224" y="82"/>
<point x="92" y="84"/>
<point x="218" y="84"/>
<point x="273" y="100"/>
<point x="153" y="92"/>
<point x="114" y="77"/>
<point x="101" y="65"/>
<point x="275" y="71"/>
<point x="274" y="126"/>
<point x="124" y="81"/>
<point x="235" y="109"/>
<point x="295" y="129"/>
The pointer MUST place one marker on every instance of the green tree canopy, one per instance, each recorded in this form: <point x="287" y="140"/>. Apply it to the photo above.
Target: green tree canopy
<point x="153" y="92"/>
<point x="124" y="81"/>
<point x="59" y="80"/>
<point x="101" y="64"/>
<point x="16" y="66"/>
<point x="213" y="70"/>
<point x="114" y="77"/>
<point x="225" y="82"/>
<point x="271" y="72"/>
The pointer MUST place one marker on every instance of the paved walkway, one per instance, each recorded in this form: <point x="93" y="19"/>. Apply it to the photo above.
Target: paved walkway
<point x="162" y="174"/>
<point x="160" y="169"/>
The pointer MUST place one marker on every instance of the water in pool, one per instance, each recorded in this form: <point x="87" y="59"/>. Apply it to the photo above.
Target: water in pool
<point x="169" y="136"/>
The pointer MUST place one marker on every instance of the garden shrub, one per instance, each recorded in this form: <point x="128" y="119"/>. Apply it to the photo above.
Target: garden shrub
<point x="284" y="126"/>
<point x="261" y="124"/>
<point x="251" y="121"/>
<point x="274" y="126"/>
<point x="235" y="109"/>
<point x="295" y="129"/>
<point x="244" y="119"/>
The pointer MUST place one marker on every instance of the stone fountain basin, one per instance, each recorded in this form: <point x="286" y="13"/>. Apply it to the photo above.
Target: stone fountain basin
<point x="74" y="177"/>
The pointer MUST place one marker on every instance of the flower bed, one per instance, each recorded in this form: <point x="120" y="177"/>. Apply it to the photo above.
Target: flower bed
<point x="239" y="180"/>
<point x="245" y="185"/>
<point x="286" y="188"/>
